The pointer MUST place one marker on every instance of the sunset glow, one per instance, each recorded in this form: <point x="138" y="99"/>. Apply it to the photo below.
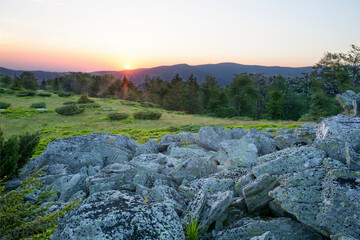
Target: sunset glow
<point x="36" y="35"/>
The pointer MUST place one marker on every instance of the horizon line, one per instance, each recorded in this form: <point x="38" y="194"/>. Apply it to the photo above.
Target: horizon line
<point x="91" y="71"/>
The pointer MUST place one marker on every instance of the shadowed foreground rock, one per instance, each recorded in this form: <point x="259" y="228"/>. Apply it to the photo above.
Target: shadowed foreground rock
<point x="236" y="183"/>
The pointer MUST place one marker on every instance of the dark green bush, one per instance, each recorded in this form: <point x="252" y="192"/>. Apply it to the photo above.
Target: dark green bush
<point x="25" y="93"/>
<point x="44" y="94"/>
<point x="2" y="90"/>
<point x="4" y="105"/>
<point x="71" y="109"/>
<point x="64" y="94"/>
<point x="24" y="219"/>
<point x="89" y="105"/>
<point x="118" y="116"/>
<point x="10" y="91"/>
<point x="69" y="102"/>
<point x="147" y="115"/>
<point x="85" y="99"/>
<point x="15" y="152"/>
<point x="149" y="104"/>
<point x="38" y="105"/>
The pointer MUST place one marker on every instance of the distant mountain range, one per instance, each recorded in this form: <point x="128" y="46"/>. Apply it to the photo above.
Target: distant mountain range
<point x="223" y="72"/>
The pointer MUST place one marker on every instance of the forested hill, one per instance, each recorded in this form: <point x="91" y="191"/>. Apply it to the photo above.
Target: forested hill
<point x="223" y="72"/>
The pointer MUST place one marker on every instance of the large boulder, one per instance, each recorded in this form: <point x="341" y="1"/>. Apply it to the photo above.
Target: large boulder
<point x="263" y="141"/>
<point x="289" y="160"/>
<point x="210" y="137"/>
<point x="325" y="199"/>
<point x="237" y="153"/>
<point x="281" y="229"/>
<point x="96" y="149"/>
<point x="192" y="164"/>
<point x="113" y="177"/>
<point x="339" y="137"/>
<point x="306" y="132"/>
<point x="116" y="215"/>
<point x="350" y="102"/>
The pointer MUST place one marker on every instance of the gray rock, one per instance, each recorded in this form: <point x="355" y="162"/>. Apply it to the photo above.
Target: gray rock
<point x="340" y="209"/>
<point x="237" y="153"/>
<point x="339" y="137"/>
<point x="340" y="150"/>
<point x="285" y="130"/>
<point x="209" y="209"/>
<point x="97" y="149"/>
<point x="256" y="193"/>
<point x="266" y="236"/>
<point x="300" y="195"/>
<point x="242" y="182"/>
<point x="113" y="177"/>
<point x="193" y="164"/>
<point x="238" y="133"/>
<point x="288" y="140"/>
<point x="341" y="237"/>
<point x="306" y="132"/>
<point x="325" y="200"/>
<point x="342" y="128"/>
<point x="281" y="229"/>
<point x="349" y="101"/>
<point x="210" y="137"/>
<point x="209" y="186"/>
<point x="148" y="148"/>
<point x="165" y="193"/>
<point x="289" y="160"/>
<point x="116" y="215"/>
<point x="263" y="141"/>
<point x="184" y="138"/>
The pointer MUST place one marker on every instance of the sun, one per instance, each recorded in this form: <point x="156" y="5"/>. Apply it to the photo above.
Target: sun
<point x="127" y="67"/>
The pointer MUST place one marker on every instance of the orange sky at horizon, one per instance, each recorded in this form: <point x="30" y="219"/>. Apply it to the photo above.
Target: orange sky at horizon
<point x="86" y="35"/>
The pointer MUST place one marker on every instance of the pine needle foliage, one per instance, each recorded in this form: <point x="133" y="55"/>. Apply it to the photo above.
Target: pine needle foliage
<point x="22" y="218"/>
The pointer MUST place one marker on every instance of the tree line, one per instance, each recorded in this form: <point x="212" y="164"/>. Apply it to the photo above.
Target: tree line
<point x="254" y="96"/>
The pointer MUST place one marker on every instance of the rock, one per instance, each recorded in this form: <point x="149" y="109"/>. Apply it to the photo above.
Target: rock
<point x="116" y="215"/>
<point x="306" y="132"/>
<point x="300" y="195"/>
<point x="209" y="209"/>
<point x="148" y="148"/>
<point x="341" y="237"/>
<point x="237" y="153"/>
<point x="284" y="131"/>
<point x="327" y="200"/>
<point x="113" y="177"/>
<point x="340" y="209"/>
<point x="184" y="138"/>
<point x="339" y="137"/>
<point x="256" y="192"/>
<point x="349" y="101"/>
<point x="242" y="182"/>
<point x="193" y="164"/>
<point x="263" y="141"/>
<point x="266" y="236"/>
<point x="210" y="137"/>
<point x="281" y="229"/>
<point x="289" y="160"/>
<point x="97" y="149"/>
<point x="238" y="133"/>
<point x="340" y="150"/>
<point x="209" y="186"/>
<point x="288" y="140"/>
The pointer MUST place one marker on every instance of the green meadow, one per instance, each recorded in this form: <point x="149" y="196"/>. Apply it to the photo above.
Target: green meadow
<point x="20" y="118"/>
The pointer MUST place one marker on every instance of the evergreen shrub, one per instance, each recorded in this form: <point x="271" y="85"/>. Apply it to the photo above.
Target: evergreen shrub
<point x="64" y="94"/>
<point x="25" y="93"/>
<point x="4" y="105"/>
<point x="71" y="109"/>
<point x="44" y="94"/>
<point x="118" y="116"/>
<point x="147" y="115"/>
<point x="38" y="105"/>
<point x="85" y="99"/>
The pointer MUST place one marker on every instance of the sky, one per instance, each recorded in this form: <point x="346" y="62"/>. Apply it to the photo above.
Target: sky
<point x="94" y="35"/>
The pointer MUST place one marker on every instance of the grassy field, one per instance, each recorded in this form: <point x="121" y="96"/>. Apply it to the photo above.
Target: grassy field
<point x="20" y="118"/>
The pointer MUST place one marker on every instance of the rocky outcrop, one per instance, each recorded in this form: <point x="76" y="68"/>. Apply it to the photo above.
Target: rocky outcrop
<point x="238" y="184"/>
<point x="350" y="101"/>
